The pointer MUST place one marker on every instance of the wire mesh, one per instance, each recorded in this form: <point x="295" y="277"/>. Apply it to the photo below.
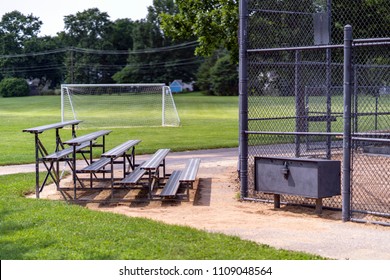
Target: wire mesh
<point x="370" y="192"/>
<point x="295" y="93"/>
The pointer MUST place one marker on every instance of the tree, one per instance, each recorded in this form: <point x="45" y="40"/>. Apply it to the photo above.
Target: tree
<point x="218" y="75"/>
<point x="15" y="30"/>
<point x="90" y="29"/>
<point x="369" y="18"/>
<point x="19" y="40"/>
<point x="138" y="68"/>
<point x="19" y="28"/>
<point x="224" y="77"/>
<point x="87" y="29"/>
<point x="48" y="66"/>
<point x="213" y="22"/>
<point x="152" y="59"/>
<point x="122" y="34"/>
<point x="203" y="76"/>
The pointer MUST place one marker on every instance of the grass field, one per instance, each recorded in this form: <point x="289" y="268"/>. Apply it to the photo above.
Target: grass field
<point x="207" y="122"/>
<point x="49" y="230"/>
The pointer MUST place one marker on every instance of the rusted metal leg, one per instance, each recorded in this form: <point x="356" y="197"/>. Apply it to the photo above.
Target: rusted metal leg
<point x="319" y="206"/>
<point x="276" y="200"/>
<point x="37" y="185"/>
<point x="112" y="178"/>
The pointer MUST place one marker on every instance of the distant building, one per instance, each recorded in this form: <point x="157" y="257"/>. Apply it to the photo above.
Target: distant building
<point x="178" y="86"/>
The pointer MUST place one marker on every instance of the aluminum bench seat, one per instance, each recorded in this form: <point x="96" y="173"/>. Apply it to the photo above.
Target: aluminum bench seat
<point x="190" y="171"/>
<point x="64" y="153"/>
<point x="155" y="161"/>
<point x="109" y="156"/>
<point x="134" y="177"/>
<point x="96" y="166"/>
<point x="172" y="186"/>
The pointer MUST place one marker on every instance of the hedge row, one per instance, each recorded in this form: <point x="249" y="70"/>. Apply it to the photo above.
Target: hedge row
<point x="12" y="87"/>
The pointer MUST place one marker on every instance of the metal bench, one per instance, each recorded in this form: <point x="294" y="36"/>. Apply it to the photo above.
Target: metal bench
<point x="134" y="177"/>
<point x="155" y="161"/>
<point x="42" y="155"/>
<point x="59" y="125"/>
<point x="152" y="167"/>
<point x="121" y="149"/>
<point x="188" y="176"/>
<point x="190" y="171"/>
<point x="96" y="166"/>
<point x="90" y="138"/>
<point x="112" y="157"/>
<point x="172" y="185"/>
<point x="185" y="178"/>
<point x="57" y="156"/>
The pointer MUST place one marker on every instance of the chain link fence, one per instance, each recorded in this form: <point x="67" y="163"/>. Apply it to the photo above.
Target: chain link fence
<point x="292" y="64"/>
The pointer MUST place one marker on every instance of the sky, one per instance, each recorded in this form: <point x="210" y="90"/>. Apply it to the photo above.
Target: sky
<point x="52" y="12"/>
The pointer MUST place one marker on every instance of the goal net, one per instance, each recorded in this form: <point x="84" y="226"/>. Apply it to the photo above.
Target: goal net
<point x="119" y="105"/>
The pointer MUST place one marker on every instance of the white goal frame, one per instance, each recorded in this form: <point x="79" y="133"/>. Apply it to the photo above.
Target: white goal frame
<point x="166" y="98"/>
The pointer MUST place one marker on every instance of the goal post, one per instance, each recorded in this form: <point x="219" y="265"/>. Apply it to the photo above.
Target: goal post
<point x="119" y="105"/>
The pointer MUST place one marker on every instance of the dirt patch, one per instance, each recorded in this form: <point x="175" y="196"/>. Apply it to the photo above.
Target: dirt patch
<point x="214" y="206"/>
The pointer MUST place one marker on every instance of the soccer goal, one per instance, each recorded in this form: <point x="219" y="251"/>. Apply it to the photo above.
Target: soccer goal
<point x="119" y="105"/>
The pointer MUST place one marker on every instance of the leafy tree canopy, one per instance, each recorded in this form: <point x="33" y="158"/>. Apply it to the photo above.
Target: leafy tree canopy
<point x="213" y="22"/>
<point x="87" y="28"/>
<point x="19" y="26"/>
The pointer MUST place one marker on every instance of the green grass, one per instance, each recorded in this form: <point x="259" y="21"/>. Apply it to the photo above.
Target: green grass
<point x="49" y="230"/>
<point x="43" y="229"/>
<point x="207" y="122"/>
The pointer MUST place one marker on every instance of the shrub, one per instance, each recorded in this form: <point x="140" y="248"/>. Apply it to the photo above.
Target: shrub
<point x="13" y="87"/>
<point x="224" y="77"/>
<point x="218" y="75"/>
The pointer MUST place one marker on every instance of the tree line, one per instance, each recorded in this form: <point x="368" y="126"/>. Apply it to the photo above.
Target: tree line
<point x="191" y="40"/>
<point x="94" y="49"/>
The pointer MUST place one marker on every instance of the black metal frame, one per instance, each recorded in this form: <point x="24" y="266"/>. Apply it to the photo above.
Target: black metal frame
<point x="41" y="152"/>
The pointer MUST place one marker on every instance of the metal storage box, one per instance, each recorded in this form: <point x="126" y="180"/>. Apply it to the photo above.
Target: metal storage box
<point x="312" y="178"/>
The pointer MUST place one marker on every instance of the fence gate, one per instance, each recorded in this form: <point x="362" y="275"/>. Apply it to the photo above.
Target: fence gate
<point x="370" y="175"/>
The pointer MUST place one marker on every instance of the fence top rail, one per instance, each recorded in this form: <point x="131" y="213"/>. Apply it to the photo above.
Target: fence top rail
<point x="363" y="139"/>
<point x="354" y="136"/>
<point x="296" y="133"/>
<point x="371" y="40"/>
<point x="302" y="48"/>
<point x="356" y="43"/>
<point x="40" y="129"/>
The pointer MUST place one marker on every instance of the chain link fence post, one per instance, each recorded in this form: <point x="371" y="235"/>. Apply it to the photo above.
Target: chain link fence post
<point x="346" y="193"/>
<point x="243" y="149"/>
